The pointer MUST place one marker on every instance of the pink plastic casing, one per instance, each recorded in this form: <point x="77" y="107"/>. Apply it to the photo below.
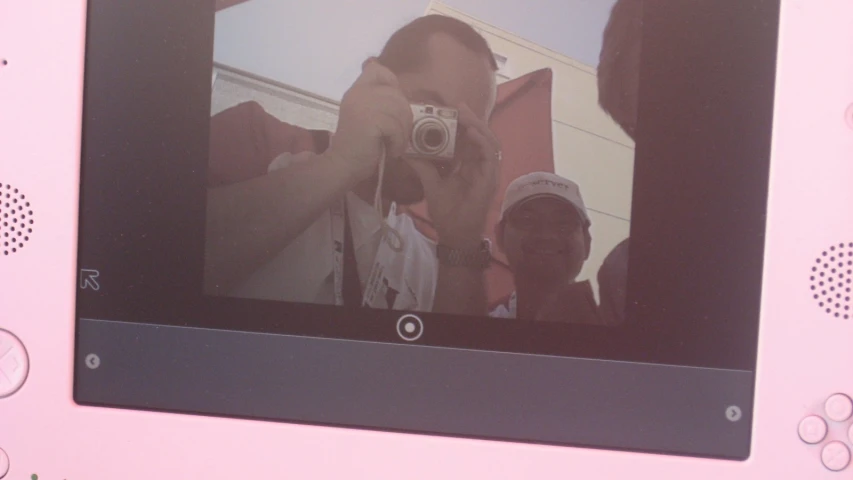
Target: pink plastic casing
<point x="805" y="355"/>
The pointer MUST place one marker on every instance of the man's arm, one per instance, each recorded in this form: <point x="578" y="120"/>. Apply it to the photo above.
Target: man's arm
<point x="458" y="206"/>
<point x="249" y="222"/>
<point x="460" y="290"/>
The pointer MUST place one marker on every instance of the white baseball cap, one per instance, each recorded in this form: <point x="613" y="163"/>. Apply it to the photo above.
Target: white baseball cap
<point x="543" y="184"/>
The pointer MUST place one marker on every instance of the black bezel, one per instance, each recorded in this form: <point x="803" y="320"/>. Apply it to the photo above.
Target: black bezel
<point x="698" y="211"/>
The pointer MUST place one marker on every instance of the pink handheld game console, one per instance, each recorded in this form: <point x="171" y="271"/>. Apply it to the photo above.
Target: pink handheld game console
<point x="201" y="280"/>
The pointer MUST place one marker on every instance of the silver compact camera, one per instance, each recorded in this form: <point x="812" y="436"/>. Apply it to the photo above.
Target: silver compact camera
<point x="433" y="132"/>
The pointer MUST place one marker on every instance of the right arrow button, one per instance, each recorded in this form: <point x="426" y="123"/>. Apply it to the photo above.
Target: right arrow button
<point x="733" y="413"/>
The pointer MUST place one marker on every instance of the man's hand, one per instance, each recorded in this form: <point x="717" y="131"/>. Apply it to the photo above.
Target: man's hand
<point x="458" y="204"/>
<point x="373" y="112"/>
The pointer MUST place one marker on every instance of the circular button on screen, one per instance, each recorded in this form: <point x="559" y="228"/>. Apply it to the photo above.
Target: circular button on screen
<point x="410" y="327"/>
<point x="734" y="413"/>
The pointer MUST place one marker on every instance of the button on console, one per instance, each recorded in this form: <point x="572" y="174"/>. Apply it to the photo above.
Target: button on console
<point x="839" y="407"/>
<point x="14" y="364"/>
<point x="813" y="430"/>
<point x="4" y="463"/>
<point x="835" y="456"/>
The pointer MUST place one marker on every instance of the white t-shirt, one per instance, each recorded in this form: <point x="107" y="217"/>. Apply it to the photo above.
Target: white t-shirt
<point x="506" y="311"/>
<point x="304" y="270"/>
<point x="584" y="311"/>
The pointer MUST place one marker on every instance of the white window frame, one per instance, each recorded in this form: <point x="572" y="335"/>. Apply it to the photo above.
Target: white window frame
<point x="503" y="66"/>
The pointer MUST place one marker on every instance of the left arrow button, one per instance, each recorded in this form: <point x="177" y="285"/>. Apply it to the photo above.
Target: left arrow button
<point x="93" y="361"/>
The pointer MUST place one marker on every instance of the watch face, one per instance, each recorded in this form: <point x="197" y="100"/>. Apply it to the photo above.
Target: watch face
<point x="482" y="257"/>
<point x="486" y="252"/>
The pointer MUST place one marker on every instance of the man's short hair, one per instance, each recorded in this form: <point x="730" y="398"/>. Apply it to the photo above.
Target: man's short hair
<point x="618" y="63"/>
<point x="406" y="50"/>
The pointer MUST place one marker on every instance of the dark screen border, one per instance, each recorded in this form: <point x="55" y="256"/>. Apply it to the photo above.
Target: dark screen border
<point x="698" y="210"/>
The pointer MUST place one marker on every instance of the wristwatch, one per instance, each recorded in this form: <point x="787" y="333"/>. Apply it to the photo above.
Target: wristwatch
<point x="479" y="257"/>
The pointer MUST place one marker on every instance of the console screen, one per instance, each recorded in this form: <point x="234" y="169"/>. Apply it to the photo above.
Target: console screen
<point x="533" y="222"/>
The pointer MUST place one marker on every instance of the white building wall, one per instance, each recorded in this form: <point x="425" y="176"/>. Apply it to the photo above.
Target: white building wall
<point x="232" y="87"/>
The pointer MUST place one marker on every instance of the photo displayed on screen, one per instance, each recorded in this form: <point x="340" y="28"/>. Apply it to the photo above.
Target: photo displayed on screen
<point x="454" y="156"/>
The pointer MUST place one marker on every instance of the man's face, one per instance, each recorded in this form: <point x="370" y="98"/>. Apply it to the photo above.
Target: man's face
<point x="452" y="76"/>
<point x="544" y="240"/>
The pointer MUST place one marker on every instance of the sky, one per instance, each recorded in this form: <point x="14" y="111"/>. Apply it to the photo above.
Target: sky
<point x="318" y="45"/>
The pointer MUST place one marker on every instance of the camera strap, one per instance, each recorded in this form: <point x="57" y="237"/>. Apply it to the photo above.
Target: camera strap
<point x="351" y="287"/>
<point x="390" y="243"/>
<point x="377" y="283"/>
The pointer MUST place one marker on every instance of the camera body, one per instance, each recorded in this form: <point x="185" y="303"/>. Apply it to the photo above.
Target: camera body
<point x="433" y="132"/>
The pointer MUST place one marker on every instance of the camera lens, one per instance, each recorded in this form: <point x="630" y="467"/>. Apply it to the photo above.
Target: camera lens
<point x="433" y="138"/>
<point x="430" y="137"/>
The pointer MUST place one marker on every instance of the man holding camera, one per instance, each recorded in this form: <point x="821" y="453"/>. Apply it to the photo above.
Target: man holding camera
<point x="544" y="232"/>
<point x="324" y="227"/>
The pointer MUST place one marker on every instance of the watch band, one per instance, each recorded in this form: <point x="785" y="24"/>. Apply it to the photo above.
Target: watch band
<point x="480" y="257"/>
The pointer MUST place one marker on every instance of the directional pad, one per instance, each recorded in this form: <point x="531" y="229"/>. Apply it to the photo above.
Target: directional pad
<point x="14" y="364"/>
<point x="815" y="429"/>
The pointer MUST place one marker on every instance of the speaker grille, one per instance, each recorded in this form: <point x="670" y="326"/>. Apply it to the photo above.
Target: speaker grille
<point x="832" y="280"/>
<point x="16" y="220"/>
